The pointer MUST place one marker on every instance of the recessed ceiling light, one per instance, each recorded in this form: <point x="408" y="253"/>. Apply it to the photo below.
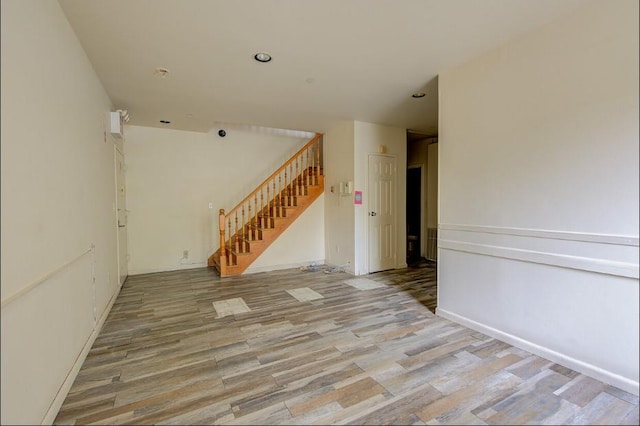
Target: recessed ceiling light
<point x="418" y="95"/>
<point x="165" y="122"/>
<point x="262" y="57"/>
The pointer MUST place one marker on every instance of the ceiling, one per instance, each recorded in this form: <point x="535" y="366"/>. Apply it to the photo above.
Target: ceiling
<point x="332" y="59"/>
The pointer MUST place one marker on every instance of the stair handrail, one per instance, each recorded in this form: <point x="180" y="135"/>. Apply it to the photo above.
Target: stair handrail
<point x="273" y="175"/>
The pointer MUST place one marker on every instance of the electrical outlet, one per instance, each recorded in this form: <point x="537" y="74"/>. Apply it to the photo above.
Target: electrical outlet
<point x="185" y="254"/>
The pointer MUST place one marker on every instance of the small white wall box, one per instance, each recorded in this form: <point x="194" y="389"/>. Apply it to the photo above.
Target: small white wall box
<point x="116" y="124"/>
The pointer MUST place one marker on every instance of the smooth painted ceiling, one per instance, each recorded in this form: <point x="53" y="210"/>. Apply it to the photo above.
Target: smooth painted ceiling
<point x="332" y="59"/>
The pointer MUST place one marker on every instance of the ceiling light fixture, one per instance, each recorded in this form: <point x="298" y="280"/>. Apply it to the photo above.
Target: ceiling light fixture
<point x="165" y="122"/>
<point x="418" y="95"/>
<point x="262" y="57"/>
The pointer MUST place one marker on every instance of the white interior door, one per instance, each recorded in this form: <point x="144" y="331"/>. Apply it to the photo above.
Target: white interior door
<point x="382" y="212"/>
<point x="121" y="210"/>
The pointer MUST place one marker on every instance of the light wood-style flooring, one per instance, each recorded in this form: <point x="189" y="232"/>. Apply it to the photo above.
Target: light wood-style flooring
<point x="310" y="347"/>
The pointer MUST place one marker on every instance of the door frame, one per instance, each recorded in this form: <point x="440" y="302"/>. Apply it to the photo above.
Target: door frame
<point x="395" y="216"/>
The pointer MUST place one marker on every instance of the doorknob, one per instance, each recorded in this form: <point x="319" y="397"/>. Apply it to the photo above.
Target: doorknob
<point x="372" y="214"/>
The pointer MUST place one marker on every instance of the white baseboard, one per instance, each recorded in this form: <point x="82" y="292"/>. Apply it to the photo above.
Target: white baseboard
<point x="598" y="373"/>
<point x="194" y="265"/>
<point x="57" y="402"/>
<point x="250" y="270"/>
<point x="268" y="268"/>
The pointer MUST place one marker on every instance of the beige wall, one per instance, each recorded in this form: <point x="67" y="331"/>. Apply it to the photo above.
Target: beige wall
<point x="539" y="192"/>
<point x="173" y="175"/>
<point x="339" y="210"/>
<point x="58" y="199"/>
<point x="347" y="149"/>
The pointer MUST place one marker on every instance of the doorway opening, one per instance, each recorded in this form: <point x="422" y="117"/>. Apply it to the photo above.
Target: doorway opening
<point x="422" y="199"/>
<point x="414" y="213"/>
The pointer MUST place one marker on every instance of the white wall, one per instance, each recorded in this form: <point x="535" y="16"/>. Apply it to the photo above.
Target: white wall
<point x="173" y="175"/>
<point x="58" y="199"/>
<point x="339" y="210"/>
<point x="539" y="192"/>
<point x="368" y="138"/>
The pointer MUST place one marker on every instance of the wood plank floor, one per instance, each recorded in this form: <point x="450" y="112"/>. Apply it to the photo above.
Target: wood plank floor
<point x="305" y="347"/>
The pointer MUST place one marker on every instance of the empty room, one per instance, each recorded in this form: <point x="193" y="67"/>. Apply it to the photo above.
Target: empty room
<point x="320" y="212"/>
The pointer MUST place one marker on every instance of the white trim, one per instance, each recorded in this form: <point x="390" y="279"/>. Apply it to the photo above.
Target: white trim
<point x="26" y="289"/>
<point x="602" y="266"/>
<point x="248" y="271"/>
<point x="286" y="266"/>
<point x="606" y="376"/>
<point x="193" y="265"/>
<point x="61" y="395"/>
<point x="625" y="240"/>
